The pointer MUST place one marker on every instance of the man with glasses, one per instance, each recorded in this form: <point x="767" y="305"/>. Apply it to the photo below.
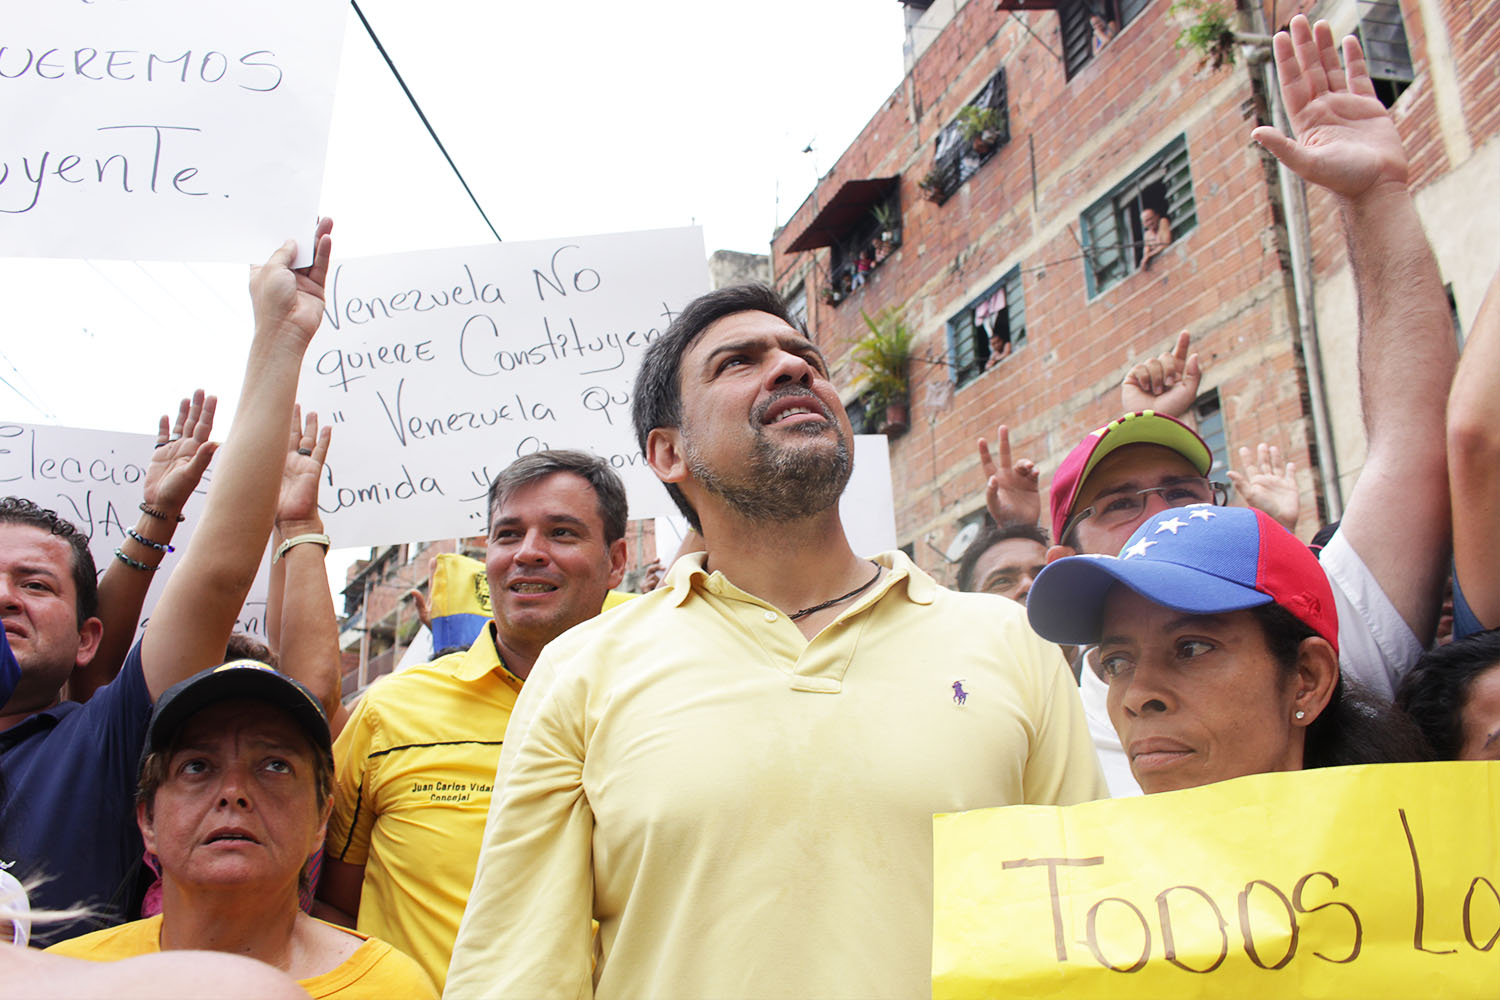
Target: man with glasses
<point x="1117" y="476"/>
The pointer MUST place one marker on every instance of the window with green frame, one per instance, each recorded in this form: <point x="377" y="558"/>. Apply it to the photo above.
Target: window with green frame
<point x="1111" y="230"/>
<point x="988" y="329"/>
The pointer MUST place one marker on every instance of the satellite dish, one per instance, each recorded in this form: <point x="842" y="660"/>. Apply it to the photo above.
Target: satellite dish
<point x="961" y="542"/>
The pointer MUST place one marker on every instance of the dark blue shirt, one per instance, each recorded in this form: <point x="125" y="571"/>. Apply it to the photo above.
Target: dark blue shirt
<point x="68" y="777"/>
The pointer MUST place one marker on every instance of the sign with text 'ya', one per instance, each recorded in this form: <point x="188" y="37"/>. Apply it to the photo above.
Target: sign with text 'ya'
<point x="94" y="479"/>
<point x="164" y="129"/>
<point x="437" y="369"/>
<point x="1380" y="881"/>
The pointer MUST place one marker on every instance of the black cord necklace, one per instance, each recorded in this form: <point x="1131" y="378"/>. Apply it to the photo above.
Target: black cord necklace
<point x="838" y="600"/>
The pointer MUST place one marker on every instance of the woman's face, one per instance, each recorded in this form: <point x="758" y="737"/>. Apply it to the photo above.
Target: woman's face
<point x="239" y="803"/>
<point x="1196" y="698"/>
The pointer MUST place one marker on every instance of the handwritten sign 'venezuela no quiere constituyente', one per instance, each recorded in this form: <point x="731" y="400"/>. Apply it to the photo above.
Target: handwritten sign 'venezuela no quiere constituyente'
<point x="1375" y="881"/>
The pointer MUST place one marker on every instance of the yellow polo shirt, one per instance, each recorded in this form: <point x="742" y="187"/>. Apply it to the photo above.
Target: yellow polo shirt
<point x="414" y="767"/>
<point x="747" y="812"/>
<point x="375" y="971"/>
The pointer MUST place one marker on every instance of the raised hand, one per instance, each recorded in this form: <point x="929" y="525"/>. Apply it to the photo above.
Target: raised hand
<point x="181" y="455"/>
<point x="1167" y="383"/>
<point x="1010" y="487"/>
<point x="1268" y="485"/>
<point x="1346" y="141"/>
<point x="289" y="301"/>
<point x="297" y="505"/>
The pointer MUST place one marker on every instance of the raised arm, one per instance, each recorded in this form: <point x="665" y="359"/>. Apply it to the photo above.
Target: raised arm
<point x="1010" y="487"/>
<point x="309" y="639"/>
<point x="1474" y="463"/>
<point x="1268" y="484"/>
<point x="1166" y="384"/>
<point x="181" y="454"/>
<point x="197" y="611"/>
<point x="1397" y="517"/>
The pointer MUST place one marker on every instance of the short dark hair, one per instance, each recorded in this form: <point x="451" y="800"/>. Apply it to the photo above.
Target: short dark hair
<point x="1436" y="690"/>
<point x="657" y="400"/>
<point x="989" y="536"/>
<point x="1154" y="197"/>
<point x="18" y="510"/>
<point x="1356" y="726"/>
<point x="609" y="491"/>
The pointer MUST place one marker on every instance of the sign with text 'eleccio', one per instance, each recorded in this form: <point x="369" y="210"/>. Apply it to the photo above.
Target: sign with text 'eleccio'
<point x="94" y="479"/>
<point x="437" y="369"/>
<point x="1380" y="881"/>
<point x="164" y="129"/>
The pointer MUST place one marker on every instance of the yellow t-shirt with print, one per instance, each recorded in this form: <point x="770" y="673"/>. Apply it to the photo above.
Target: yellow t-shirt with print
<point x="414" y="769"/>
<point x="375" y="971"/>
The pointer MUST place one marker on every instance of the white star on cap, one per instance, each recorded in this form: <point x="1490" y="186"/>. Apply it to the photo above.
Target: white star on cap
<point x="1171" y="525"/>
<point x="1138" y="549"/>
<point x="1202" y="515"/>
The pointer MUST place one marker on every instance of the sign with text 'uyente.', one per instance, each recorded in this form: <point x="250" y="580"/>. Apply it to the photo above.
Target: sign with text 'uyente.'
<point x="437" y="369"/>
<point x="1381" y="881"/>
<point x="164" y="129"/>
<point x="94" y="479"/>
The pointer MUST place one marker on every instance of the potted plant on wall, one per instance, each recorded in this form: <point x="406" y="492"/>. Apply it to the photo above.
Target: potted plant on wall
<point x="981" y="127"/>
<point x="932" y="186"/>
<point x="884" y="354"/>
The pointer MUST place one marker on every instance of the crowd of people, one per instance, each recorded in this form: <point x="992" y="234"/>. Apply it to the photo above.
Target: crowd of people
<point x="724" y="786"/>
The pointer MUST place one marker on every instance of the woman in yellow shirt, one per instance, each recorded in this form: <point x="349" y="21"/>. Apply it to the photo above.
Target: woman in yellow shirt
<point x="233" y="798"/>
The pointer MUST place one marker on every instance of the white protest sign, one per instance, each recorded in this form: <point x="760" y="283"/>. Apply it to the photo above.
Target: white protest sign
<point x="164" y="129"/>
<point x="437" y="369"/>
<point x="94" y="479"/>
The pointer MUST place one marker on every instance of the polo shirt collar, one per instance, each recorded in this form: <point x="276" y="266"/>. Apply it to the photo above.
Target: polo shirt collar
<point x="688" y="574"/>
<point x="483" y="657"/>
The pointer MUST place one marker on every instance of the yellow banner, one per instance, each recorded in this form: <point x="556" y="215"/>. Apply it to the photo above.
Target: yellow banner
<point x="1371" y="882"/>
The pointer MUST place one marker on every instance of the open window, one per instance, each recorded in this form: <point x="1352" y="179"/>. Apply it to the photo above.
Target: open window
<point x="1089" y="26"/>
<point x="861" y="226"/>
<point x="987" y="330"/>
<point x="1382" y="34"/>
<point x="1123" y="230"/>
<point x="966" y="143"/>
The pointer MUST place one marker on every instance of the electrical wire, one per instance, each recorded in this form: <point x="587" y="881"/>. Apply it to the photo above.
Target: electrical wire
<point x="418" y="108"/>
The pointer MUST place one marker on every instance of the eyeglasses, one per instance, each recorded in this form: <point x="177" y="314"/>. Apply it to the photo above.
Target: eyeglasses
<point x="1122" y="508"/>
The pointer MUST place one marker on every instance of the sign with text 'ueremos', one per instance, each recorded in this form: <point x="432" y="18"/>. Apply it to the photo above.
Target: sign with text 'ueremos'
<point x="437" y="369"/>
<point x="95" y="480"/>
<point x="164" y="129"/>
<point x="1380" y="881"/>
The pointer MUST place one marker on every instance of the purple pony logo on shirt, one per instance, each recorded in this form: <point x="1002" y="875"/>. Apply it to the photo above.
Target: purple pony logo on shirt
<point x="959" y="694"/>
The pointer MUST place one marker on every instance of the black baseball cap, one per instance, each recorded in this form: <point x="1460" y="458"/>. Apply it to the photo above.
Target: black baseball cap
<point x="237" y="679"/>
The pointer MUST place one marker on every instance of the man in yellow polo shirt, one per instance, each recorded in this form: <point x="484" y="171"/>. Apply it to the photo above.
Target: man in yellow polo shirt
<point x="416" y="761"/>
<point x="736" y="774"/>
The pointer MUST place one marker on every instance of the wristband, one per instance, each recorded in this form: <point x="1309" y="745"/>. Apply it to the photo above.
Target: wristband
<point x="318" y="539"/>
<point x="158" y="546"/>
<point x="134" y="563"/>
<point x="151" y="511"/>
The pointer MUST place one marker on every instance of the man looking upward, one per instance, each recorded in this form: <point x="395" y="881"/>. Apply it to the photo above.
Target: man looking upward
<point x="735" y="775"/>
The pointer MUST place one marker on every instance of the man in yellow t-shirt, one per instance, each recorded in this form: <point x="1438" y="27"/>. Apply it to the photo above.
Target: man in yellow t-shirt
<point x="416" y="761"/>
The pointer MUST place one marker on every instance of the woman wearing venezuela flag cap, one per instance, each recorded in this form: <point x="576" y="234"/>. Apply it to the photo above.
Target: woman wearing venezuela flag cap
<point x="1218" y="638"/>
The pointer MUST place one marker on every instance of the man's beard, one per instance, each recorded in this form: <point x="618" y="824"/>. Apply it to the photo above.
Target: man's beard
<point x="780" y="482"/>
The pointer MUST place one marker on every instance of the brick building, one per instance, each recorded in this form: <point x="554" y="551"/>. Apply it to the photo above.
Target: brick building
<point x="1011" y="237"/>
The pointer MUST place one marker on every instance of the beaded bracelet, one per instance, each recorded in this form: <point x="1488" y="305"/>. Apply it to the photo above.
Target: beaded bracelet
<point x="160" y="515"/>
<point x="134" y="563"/>
<point x="158" y="546"/>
